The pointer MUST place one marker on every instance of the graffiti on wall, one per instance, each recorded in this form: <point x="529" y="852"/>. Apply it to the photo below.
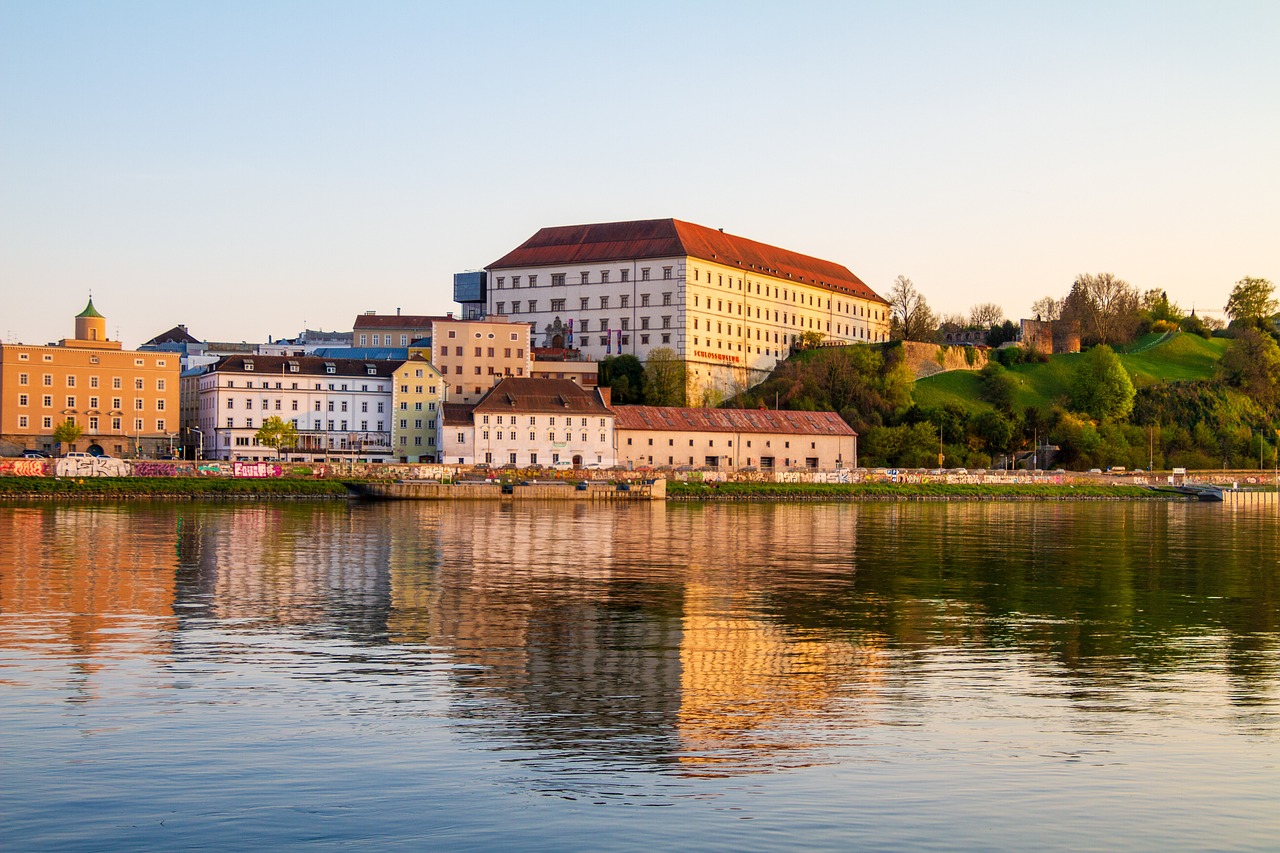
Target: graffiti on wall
<point x="155" y="469"/>
<point x="255" y="469"/>
<point x="91" y="466"/>
<point x="25" y="467"/>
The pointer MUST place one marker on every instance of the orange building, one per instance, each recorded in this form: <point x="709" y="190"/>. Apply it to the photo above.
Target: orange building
<point x="124" y="401"/>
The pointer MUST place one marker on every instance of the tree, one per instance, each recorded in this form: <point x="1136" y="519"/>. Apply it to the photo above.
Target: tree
<point x="1106" y="306"/>
<point x="998" y="386"/>
<point x="1252" y="364"/>
<point x="811" y="339"/>
<point x="1101" y="387"/>
<point x="986" y="315"/>
<point x="624" y="374"/>
<point x="1002" y="333"/>
<point x="1252" y="299"/>
<point x="1047" y="308"/>
<point x="911" y="319"/>
<point x="66" y="433"/>
<point x="1156" y="303"/>
<point x="277" y="433"/>
<point x="665" y="377"/>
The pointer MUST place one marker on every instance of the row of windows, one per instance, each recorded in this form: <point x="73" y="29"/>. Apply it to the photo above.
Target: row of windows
<point x="417" y="441"/>
<point x="139" y="384"/>
<point x="293" y="405"/>
<point x="46" y="402"/>
<point x="671" y="442"/>
<point x="551" y="436"/>
<point x="453" y="333"/>
<point x="787" y="295"/>
<point x="93" y="359"/>
<point x="316" y="425"/>
<point x="293" y="386"/>
<point x="584" y="277"/>
<point x="483" y="352"/>
<point x="532" y="420"/>
<point x="417" y="423"/>
<point x="584" y="304"/>
<point x="380" y="340"/>
<point x="93" y="424"/>
<point x="479" y="370"/>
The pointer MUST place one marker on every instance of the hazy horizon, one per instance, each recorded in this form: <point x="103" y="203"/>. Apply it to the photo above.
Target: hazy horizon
<point x="249" y="170"/>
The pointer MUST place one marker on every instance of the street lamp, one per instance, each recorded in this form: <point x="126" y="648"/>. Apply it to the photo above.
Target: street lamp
<point x="200" y="442"/>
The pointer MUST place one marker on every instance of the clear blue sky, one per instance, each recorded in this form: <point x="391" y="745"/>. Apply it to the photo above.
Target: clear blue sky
<point x="245" y="168"/>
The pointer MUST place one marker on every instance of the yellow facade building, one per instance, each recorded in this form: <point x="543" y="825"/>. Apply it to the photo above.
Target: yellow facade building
<point x="124" y="401"/>
<point x="418" y="391"/>
<point x="730" y="307"/>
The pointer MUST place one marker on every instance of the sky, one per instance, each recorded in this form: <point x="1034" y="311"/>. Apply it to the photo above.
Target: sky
<point x="250" y="169"/>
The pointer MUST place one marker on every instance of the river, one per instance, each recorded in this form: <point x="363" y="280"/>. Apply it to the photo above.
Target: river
<point x="480" y="676"/>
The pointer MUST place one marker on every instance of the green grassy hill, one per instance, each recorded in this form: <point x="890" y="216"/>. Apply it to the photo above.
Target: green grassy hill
<point x="1154" y="358"/>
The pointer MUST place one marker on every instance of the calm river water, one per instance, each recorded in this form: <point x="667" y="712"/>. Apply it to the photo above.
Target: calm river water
<point x="637" y="677"/>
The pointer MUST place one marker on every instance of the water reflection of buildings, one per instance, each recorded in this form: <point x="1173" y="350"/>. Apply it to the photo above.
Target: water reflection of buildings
<point x="274" y="564"/>
<point x="86" y="584"/>
<point x="635" y="633"/>
<point x="702" y="638"/>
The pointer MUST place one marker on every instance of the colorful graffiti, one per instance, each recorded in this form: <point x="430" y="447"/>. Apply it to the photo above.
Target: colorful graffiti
<point x="91" y="466"/>
<point x="25" y="467"/>
<point x="155" y="469"/>
<point x="255" y="469"/>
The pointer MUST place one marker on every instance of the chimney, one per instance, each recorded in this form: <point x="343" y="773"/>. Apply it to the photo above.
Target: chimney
<point x="606" y="394"/>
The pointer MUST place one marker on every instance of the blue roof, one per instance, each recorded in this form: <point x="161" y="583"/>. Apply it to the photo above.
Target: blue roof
<point x="365" y="353"/>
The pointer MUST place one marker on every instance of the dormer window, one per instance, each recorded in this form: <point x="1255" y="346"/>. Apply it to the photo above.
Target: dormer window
<point x="248" y="365"/>
<point x="293" y="367"/>
<point x="330" y="367"/>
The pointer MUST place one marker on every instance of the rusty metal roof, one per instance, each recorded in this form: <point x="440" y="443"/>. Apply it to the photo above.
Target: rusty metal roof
<point x="678" y="419"/>
<point x="669" y="238"/>
<point x="541" y="396"/>
<point x="457" y="414"/>
<point x="395" y="321"/>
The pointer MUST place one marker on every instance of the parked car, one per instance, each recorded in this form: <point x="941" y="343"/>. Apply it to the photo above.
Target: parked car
<point x="34" y="454"/>
<point x="78" y="454"/>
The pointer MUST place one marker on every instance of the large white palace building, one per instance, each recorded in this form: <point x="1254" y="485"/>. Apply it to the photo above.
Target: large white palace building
<point x="730" y="307"/>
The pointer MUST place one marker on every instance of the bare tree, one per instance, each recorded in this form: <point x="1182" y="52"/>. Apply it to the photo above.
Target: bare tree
<point x="1047" y="308"/>
<point x="911" y="318"/>
<point x="1106" y="306"/>
<point x="986" y="315"/>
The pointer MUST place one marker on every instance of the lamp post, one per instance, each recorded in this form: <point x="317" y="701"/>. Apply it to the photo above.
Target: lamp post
<point x="199" y="442"/>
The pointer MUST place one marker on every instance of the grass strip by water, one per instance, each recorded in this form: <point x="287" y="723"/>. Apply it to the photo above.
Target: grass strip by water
<point x="921" y="491"/>
<point x="176" y="487"/>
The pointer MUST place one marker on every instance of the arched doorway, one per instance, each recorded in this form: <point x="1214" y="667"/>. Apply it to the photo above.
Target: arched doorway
<point x="95" y="450"/>
<point x="557" y="341"/>
<point x="577" y="460"/>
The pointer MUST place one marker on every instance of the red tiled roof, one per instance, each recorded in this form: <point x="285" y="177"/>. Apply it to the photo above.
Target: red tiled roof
<point x="677" y="419"/>
<point x="550" y="396"/>
<point x="395" y="321"/>
<point x="667" y="238"/>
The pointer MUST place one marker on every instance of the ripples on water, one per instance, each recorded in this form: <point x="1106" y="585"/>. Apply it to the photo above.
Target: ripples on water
<point x="484" y="676"/>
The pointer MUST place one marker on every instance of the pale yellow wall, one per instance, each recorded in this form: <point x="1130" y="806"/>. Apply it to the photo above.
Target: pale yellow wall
<point x="417" y="393"/>
<point x="503" y="350"/>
